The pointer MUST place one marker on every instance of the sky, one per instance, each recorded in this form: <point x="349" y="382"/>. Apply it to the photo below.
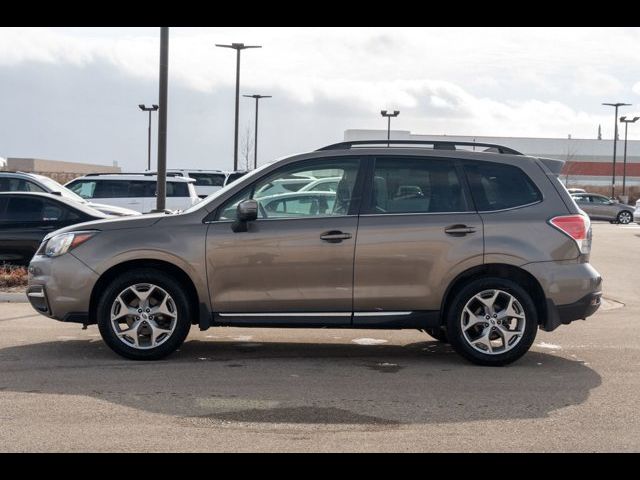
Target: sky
<point x="73" y="93"/>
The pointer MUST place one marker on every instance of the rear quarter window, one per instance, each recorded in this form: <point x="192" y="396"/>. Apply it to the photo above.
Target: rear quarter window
<point x="496" y="186"/>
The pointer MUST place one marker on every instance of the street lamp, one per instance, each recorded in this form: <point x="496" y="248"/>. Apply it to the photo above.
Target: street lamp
<point x="237" y="47"/>
<point x="384" y="113"/>
<point x="624" y="165"/>
<point x="150" y="109"/>
<point x="615" y="139"/>
<point x="255" y="142"/>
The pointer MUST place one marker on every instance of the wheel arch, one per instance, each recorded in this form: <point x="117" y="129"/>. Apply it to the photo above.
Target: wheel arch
<point x="517" y="274"/>
<point x="198" y="308"/>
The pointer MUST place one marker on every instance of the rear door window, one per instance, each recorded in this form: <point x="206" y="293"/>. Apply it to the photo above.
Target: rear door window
<point x="495" y="186"/>
<point x="416" y="185"/>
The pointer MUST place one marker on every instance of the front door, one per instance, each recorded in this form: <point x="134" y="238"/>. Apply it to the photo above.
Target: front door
<point x="295" y="262"/>
<point x="417" y="231"/>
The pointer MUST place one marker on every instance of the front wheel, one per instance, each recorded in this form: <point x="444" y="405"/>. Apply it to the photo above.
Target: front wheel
<point x="492" y="321"/>
<point x="143" y="315"/>
<point x="624" y="217"/>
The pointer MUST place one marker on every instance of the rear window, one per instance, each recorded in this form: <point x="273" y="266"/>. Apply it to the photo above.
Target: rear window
<point x="208" y="179"/>
<point x="497" y="187"/>
<point x="18" y="185"/>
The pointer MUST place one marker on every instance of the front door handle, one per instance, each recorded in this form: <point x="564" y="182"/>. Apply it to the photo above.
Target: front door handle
<point x="459" y="230"/>
<point x="334" y="236"/>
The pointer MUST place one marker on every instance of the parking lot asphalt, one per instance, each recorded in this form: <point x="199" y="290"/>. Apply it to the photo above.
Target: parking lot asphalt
<point x="234" y="389"/>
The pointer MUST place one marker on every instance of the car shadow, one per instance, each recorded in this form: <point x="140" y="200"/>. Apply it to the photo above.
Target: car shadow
<point x="310" y="383"/>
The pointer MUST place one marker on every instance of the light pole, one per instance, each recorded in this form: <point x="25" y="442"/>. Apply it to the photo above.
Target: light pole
<point x="161" y="190"/>
<point x="255" y="141"/>
<point x="238" y="47"/>
<point x="384" y="113"/>
<point x="615" y="139"/>
<point x="624" y="164"/>
<point x="150" y="109"/>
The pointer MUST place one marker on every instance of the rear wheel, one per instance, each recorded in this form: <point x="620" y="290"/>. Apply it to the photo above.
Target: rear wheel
<point x="143" y="315"/>
<point x="624" y="217"/>
<point x="492" y="321"/>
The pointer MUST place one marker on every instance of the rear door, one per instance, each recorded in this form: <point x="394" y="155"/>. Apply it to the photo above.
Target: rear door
<point x="417" y="230"/>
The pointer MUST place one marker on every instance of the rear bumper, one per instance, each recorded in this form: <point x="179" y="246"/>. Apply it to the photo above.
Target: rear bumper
<point x="572" y="290"/>
<point x="565" y="314"/>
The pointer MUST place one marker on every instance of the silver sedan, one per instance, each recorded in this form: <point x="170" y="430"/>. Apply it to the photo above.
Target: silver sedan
<point x="599" y="207"/>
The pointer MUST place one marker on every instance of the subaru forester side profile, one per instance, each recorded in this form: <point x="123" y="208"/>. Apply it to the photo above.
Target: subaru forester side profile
<point x="476" y="248"/>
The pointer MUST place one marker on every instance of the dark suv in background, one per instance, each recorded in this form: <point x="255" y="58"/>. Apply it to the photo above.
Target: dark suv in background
<point x="474" y="243"/>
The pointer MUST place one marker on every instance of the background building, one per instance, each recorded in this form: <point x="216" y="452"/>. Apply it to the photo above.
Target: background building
<point x="588" y="161"/>
<point x="58" y="170"/>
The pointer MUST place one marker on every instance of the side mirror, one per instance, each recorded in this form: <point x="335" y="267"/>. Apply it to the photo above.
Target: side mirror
<point x="247" y="211"/>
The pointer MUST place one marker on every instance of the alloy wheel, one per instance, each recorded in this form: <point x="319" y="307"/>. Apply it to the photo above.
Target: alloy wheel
<point x="143" y="316"/>
<point x="493" y="322"/>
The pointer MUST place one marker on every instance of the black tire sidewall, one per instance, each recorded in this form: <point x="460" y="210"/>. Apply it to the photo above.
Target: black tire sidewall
<point x="454" y="329"/>
<point x="620" y="221"/>
<point x="146" y="275"/>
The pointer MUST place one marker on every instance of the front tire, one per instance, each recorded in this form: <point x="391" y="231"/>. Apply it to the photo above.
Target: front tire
<point x="143" y="314"/>
<point x="624" y="218"/>
<point x="492" y="321"/>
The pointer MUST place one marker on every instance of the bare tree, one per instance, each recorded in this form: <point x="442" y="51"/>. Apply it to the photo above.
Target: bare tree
<point x="246" y="148"/>
<point x="571" y="154"/>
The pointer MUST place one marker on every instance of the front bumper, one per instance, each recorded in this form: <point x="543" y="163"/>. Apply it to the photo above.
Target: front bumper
<point x="61" y="287"/>
<point x="636" y="216"/>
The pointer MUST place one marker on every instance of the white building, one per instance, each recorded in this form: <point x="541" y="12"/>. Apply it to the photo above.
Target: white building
<point x="588" y="161"/>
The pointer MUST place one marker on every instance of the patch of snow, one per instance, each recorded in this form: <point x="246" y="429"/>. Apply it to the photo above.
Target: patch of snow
<point x="369" y="341"/>
<point x="550" y="346"/>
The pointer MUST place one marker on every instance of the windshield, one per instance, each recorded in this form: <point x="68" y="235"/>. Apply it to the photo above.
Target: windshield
<point x="224" y="189"/>
<point x="64" y="191"/>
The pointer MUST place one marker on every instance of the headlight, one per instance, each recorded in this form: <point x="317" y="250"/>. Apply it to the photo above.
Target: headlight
<point x="62" y="243"/>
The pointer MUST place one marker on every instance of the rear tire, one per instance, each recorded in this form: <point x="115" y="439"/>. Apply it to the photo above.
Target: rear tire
<point x="492" y="321"/>
<point x="143" y="314"/>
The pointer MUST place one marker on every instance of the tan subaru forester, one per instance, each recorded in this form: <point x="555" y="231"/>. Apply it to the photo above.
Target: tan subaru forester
<point x="475" y="244"/>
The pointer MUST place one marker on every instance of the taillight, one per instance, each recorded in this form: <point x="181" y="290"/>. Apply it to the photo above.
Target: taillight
<point x="578" y="227"/>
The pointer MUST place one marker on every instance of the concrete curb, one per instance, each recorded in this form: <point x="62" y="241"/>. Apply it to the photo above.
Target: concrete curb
<point x="13" y="297"/>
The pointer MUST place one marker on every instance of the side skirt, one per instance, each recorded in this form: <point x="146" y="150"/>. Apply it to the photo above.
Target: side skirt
<point x="372" y="320"/>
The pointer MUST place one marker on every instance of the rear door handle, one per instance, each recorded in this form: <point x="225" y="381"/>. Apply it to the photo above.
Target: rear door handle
<point x="334" y="236"/>
<point x="459" y="230"/>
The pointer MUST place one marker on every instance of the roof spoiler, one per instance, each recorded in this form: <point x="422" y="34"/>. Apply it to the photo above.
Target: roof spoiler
<point x="554" y="165"/>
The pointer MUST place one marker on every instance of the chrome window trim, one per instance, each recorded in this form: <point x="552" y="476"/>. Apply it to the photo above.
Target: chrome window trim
<point x="284" y="218"/>
<point x="511" y="208"/>
<point x="380" y="314"/>
<point x="415" y="213"/>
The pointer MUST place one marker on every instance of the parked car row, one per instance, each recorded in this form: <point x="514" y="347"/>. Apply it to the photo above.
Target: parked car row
<point x="33" y="205"/>
<point x="206" y="181"/>
<point x="479" y="249"/>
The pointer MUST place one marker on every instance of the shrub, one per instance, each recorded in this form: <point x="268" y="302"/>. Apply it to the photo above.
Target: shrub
<point x="12" y="276"/>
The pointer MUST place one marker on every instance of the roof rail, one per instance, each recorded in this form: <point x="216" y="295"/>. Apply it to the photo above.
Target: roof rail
<point x="146" y="174"/>
<point x="437" y="145"/>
